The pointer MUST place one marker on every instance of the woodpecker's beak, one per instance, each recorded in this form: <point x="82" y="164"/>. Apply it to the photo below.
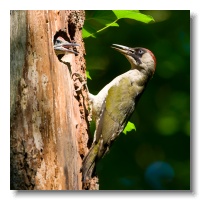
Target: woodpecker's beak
<point x="122" y="49"/>
<point x="129" y="53"/>
<point x="63" y="48"/>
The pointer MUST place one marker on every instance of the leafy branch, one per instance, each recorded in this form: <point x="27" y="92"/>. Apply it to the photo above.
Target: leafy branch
<point x="97" y="21"/>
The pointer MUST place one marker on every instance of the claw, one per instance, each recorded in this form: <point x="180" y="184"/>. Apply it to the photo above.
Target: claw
<point x="81" y="79"/>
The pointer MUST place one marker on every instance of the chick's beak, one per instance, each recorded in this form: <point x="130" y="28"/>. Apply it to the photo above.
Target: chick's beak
<point x="63" y="48"/>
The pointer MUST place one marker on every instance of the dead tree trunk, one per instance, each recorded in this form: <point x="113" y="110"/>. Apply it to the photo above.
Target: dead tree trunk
<point x="48" y="118"/>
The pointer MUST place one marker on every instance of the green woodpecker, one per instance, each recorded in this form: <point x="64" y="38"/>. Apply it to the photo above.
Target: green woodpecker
<point x="115" y="103"/>
<point x="61" y="46"/>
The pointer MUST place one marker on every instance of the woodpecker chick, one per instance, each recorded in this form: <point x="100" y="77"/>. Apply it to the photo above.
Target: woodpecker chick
<point x="114" y="104"/>
<point x="62" y="46"/>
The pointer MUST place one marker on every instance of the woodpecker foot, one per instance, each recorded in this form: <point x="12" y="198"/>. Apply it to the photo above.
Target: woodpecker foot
<point x="82" y="80"/>
<point x="80" y="87"/>
<point x="78" y="76"/>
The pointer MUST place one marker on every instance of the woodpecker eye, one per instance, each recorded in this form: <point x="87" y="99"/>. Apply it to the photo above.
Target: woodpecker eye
<point x="58" y="41"/>
<point x="140" y="51"/>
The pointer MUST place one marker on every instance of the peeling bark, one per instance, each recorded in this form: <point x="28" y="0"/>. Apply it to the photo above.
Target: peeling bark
<point x="48" y="118"/>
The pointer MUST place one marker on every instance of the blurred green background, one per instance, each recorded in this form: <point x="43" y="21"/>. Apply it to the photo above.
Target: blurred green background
<point x="157" y="155"/>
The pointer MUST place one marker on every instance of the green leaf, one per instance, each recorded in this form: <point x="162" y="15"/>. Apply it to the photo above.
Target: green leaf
<point x="88" y="75"/>
<point x="133" y="14"/>
<point x="129" y="127"/>
<point x="97" y="21"/>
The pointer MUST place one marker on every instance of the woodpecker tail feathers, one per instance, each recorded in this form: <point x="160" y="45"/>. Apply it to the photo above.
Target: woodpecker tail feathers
<point x="89" y="161"/>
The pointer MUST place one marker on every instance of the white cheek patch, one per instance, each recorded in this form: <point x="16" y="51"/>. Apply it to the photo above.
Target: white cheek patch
<point x="148" y="60"/>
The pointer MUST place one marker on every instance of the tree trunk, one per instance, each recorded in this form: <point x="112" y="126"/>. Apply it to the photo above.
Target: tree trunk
<point x="48" y="117"/>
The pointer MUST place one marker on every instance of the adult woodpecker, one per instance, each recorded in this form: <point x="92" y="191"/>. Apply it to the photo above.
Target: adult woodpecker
<point x="115" y="103"/>
<point x="61" y="46"/>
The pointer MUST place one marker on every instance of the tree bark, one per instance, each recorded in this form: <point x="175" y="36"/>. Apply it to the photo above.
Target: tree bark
<point x="48" y="118"/>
